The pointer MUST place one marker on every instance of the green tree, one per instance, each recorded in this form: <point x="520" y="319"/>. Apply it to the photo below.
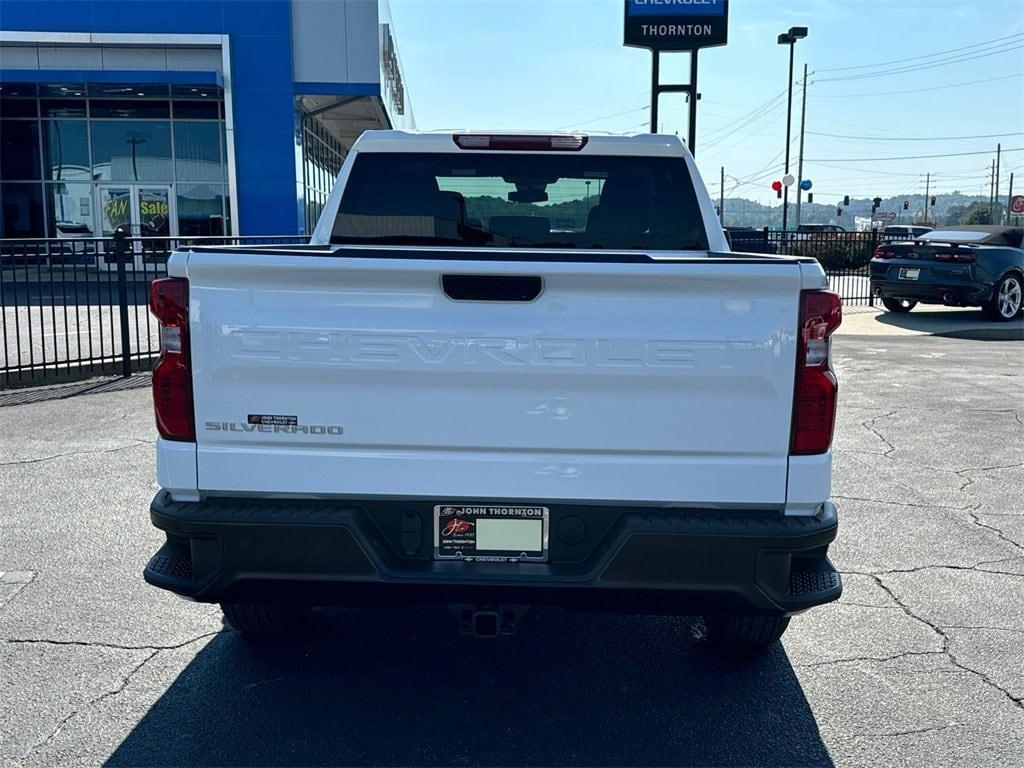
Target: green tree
<point x="977" y="213"/>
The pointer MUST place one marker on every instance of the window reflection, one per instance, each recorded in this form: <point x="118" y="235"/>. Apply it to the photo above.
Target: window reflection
<point x="70" y="209"/>
<point x="19" y="150"/>
<point x="197" y="151"/>
<point x="66" y="147"/>
<point x="200" y="210"/>
<point x="22" y="206"/>
<point x="131" y="150"/>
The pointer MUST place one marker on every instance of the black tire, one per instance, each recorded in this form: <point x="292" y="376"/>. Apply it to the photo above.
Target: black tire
<point x="745" y="635"/>
<point x="1006" y="302"/>
<point x="900" y="306"/>
<point x="262" y="619"/>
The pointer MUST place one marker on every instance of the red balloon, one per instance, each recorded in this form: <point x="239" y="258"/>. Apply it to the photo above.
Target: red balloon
<point x="776" y="186"/>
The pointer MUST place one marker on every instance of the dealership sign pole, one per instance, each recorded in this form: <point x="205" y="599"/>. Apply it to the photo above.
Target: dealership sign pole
<point x="676" y="25"/>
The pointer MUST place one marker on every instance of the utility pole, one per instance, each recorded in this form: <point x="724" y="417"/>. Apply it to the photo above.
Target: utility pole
<point x="800" y="162"/>
<point x="991" y="190"/>
<point x="927" y="190"/>
<point x="789" y="38"/>
<point x="999" y="152"/>
<point x="721" y="199"/>
<point x="1009" y="202"/>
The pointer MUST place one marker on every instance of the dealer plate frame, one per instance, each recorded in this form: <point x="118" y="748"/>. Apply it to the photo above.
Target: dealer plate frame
<point x="474" y="512"/>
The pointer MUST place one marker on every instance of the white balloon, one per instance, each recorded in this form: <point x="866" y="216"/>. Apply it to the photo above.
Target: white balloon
<point x="789" y="179"/>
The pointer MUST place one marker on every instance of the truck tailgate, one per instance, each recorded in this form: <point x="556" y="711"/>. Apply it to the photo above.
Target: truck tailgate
<point x="635" y="382"/>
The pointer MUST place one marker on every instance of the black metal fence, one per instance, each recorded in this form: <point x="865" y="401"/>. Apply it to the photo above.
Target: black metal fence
<point x="845" y="256"/>
<point x="72" y="308"/>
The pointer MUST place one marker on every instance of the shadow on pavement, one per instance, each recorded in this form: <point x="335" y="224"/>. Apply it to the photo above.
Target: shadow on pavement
<point x="403" y="688"/>
<point x="965" y="324"/>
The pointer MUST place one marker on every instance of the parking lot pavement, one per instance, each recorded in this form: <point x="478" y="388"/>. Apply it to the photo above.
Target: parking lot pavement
<point x="920" y="663"/>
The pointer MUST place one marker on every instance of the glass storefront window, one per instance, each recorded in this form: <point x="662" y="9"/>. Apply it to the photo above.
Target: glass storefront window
<point x="196" y="110"/>
<point x="129" y="109"/>
<point x="200" y="210"/>
<point x="69" y="209"/>
<point x="19" y="150"/>
<point x="22" y="206"/>
<point x="197" y="151"/>
<point x="66" y="150"/>
<point x="63" y="107"/>
<point x="17" y="108"/>
<point x="127" y="150"/>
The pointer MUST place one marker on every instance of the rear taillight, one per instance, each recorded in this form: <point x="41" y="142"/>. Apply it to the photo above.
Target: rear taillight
<point x="960" y="257"/>
<point x="172" y="376"/>
<point x="814" y="399"/>
<point x="524" y="143"/>
<point x="884" y="253"/>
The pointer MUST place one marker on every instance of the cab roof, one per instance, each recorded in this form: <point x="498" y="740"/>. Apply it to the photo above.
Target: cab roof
<point x="636" y="145"/>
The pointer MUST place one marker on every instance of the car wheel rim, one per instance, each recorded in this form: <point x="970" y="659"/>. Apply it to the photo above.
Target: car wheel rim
<point x="1009" y="297"/>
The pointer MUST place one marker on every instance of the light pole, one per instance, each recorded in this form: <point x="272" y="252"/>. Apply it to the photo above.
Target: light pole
<point x="789" y="38"/>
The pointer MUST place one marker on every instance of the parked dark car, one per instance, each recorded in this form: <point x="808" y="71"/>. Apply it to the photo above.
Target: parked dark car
<point x="750" y="240"/>
<point x="962" y="266"/>
<point x="906" y="230"/>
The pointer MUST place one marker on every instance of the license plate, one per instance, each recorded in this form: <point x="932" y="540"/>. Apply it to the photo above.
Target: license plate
<point x="487" y="533"/>
<point x="909" y="273"/>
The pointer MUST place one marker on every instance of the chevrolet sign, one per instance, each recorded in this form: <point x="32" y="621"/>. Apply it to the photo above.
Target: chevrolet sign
<point x="676" y="25"/>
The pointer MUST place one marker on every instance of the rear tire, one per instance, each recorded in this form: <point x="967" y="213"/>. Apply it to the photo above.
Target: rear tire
<point x="1006" y="301"/>
<point x="262" y="619"/>
<point x="900" y="306"/>
<point x="745" y="635"/>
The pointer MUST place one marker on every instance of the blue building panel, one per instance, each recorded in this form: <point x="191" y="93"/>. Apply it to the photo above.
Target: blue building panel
<point x="263" y="94"/>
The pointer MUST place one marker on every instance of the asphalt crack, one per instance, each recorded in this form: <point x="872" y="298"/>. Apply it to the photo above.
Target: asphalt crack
<point x="125" y="680"/>
<point x="91" y="703"/>
<point x="869" y="425"/>
<point x="971" y="470"/>
<point x="112" y="646"/>
<point x="907" y="503"/>
<point x="914" y="731"/>
<point x="134" y="444"/>
<point x="944" y="638"/>
<point x="876" y="659"/>
<point x="997" y="531"/>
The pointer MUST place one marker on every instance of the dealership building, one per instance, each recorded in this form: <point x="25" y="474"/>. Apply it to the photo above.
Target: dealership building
<point x="186" y="117"/>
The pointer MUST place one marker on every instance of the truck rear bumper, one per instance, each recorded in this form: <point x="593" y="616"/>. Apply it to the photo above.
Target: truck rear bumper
<point x="635" y="559"/>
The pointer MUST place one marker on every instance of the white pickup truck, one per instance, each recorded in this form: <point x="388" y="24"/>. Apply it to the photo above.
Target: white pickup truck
<point x="508" y="370"/>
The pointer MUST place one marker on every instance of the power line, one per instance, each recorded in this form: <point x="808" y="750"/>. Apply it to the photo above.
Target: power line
<point x="753" y="124"/>
<point x="907" y="157"/>
<point x="603" y="117"/>
<point x="916" y="138"/>
<point x="917" y="67"/>
<point x="914" y="90"/>
<point x="744" y="117"/>
<point x="925" y="56"/>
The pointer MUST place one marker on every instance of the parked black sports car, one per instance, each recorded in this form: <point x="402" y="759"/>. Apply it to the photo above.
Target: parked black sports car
<point x="962" y="266"/>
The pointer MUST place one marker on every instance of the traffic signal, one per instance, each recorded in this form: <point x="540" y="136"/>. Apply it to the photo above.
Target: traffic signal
<point x="906" y="204"/>
<point x="876" y="203"/>
<point x="933" y="201"/>
<point x="839" y="211"/>
<point x="778" y="193"/>
<point x="810" y="197"/>
<point x="846" y="199"/>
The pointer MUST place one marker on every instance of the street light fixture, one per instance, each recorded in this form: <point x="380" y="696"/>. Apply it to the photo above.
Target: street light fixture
<point x="789" y="38"/>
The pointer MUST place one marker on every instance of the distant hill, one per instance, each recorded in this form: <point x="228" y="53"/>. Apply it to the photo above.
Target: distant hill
<point x="949" y="209"/>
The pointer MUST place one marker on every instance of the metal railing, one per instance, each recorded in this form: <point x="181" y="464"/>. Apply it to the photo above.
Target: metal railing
<point x="845" y="256"/>
<point x="73" y="308"/>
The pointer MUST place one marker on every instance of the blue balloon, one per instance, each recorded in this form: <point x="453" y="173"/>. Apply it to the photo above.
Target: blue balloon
<point x="806" y="185"/>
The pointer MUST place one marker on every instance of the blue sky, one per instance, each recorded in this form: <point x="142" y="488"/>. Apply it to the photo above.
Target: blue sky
<point x="541" y="64"/>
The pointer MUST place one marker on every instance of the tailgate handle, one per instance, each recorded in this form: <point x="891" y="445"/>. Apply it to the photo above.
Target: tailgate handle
<point x="492" y="287"/>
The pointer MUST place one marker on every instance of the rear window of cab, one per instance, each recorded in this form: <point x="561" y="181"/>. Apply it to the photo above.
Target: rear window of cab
<point x="506" y="200"/>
